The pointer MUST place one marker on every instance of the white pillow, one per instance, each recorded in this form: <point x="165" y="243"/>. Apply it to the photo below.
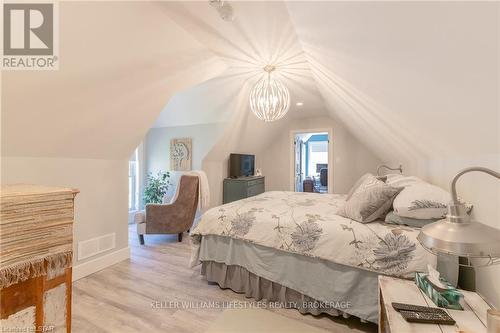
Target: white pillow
<point x="393" y="176"/>
<point x="398" y="180"/>
<point x="421" y="200"/>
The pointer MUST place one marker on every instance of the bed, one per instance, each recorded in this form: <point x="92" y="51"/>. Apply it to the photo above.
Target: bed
<point x="292" y="248"/>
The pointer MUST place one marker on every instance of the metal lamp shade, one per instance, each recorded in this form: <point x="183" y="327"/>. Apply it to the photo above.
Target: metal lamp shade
<point x="457" y="234"/>
<point x="465" y="239"/>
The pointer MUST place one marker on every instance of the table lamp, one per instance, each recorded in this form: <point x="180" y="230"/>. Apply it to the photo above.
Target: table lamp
<point x="458" y="235"/>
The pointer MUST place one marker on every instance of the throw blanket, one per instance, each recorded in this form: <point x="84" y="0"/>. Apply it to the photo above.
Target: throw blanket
<point x="306" y="224"/>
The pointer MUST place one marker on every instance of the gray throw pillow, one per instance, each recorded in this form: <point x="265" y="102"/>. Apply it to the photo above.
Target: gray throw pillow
<point x="370" y="201"/>
<point x="392" y="218"/>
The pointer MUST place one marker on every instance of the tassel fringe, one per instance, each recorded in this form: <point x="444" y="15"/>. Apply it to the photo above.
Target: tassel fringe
<point x="34" y="268"/>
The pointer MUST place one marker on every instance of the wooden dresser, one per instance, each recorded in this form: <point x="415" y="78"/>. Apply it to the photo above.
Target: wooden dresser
<point x="471" y="320"/>
<point x="36" y="253"/>
<point x="243" y="187"/>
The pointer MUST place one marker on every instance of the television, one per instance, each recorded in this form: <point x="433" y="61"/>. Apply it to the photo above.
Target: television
<point x="241" y="165"/>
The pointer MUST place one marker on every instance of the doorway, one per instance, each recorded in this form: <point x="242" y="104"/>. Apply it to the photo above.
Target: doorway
<point x="311" y="161"/>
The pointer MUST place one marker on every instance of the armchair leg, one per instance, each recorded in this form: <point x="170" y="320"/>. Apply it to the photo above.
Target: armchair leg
<point x="179" y="237"/>
<point x="141" y="239"/>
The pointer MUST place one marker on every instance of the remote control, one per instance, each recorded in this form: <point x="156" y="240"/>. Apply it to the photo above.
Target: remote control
<point x="416" y="308"/>
<point x="427" y="317"/>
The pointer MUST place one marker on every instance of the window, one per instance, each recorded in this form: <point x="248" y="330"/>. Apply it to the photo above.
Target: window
<point x="133" y="182"/>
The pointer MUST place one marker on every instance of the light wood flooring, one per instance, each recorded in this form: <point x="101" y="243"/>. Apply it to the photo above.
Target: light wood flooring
<point x="119" y="298"/>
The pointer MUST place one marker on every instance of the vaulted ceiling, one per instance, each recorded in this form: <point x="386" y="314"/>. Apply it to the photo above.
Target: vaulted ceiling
<point x="262" y="33"/>
<point x="414" y="79"/>
<point x="408" y="79"/>
<point x="120" y="63"/>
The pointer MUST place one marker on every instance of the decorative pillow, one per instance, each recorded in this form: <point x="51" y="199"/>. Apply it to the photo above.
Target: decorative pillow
<point x="417" y="223"/>
<point x="370" y="200"/>
<point x="421" y="200"/>
<point x="398" y="180"/>
<point x="356" y="185"/>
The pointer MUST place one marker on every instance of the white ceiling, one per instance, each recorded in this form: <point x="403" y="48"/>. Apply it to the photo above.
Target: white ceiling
<point x="262" y="33"/>
<point x="413" y="79"/>
<point x="115" y="76"/>
<point x="408" y="79"/>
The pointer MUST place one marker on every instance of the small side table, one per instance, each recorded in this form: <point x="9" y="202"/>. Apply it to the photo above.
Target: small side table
<point x="471" y="319"/>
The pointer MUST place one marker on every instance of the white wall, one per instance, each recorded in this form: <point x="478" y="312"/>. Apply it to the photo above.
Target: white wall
<point x="157" y="146"/>
<point x="270" y="142"/>
<point x="350" y="158"/>
<point x="77" y="126"/>
<point x="101" y="206"/>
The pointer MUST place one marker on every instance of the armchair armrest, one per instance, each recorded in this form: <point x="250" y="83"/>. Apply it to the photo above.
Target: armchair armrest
<point x="140" y="217"/>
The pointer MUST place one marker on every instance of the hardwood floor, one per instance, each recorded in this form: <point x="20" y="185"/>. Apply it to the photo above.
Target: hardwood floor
<point x="120" y="298"/>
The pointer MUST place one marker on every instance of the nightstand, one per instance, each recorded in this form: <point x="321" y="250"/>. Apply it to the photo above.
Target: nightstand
<point x="472" y="319"/>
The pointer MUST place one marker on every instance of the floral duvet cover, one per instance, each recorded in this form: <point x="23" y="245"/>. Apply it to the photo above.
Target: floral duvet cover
<point x="306" y="224"/>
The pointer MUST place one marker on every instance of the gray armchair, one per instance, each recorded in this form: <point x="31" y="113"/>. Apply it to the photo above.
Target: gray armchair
<point x="174" y="218"/>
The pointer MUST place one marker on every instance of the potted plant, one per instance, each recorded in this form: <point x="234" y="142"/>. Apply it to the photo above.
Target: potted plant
<point x="156" y="187"/>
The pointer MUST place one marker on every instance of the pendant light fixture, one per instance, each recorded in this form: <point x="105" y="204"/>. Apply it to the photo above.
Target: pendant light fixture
<point x="269" y="98"/>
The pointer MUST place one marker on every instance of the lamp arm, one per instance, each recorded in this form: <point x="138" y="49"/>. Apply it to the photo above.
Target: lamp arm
<point x="400" y="169"/>
<point x="490" y="172"/>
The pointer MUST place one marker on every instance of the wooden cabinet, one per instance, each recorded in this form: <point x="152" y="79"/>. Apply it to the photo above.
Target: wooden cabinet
<point x="36" y="253"/>
<point x="241" y="188"/>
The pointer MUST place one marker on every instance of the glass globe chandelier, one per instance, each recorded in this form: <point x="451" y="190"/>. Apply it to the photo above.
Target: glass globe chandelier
<point x="269" y="98"/>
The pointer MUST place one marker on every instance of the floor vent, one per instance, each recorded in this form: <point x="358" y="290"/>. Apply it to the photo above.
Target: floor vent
<point x="93" y="246"/>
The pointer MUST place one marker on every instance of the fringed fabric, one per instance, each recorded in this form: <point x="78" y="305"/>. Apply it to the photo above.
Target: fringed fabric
<point x="34" y="268"/>
<point x="56" y="264"/>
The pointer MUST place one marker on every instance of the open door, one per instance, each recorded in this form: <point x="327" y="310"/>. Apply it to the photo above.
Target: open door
<point x="299" y="164"/>
<point x="311" y="158"/>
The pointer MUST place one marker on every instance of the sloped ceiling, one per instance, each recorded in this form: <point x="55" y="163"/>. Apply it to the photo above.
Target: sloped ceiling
<point x="261" y="34"/>
<point x="407" y="78"/>
<point x="120" y="63"/>
<point x="412" y="80"/>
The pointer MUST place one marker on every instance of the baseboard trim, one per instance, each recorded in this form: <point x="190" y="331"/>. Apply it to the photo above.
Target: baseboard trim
<point x="97" y="264"/>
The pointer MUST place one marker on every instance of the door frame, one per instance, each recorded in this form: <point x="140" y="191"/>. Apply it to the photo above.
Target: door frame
<point x="330" y="154"/>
